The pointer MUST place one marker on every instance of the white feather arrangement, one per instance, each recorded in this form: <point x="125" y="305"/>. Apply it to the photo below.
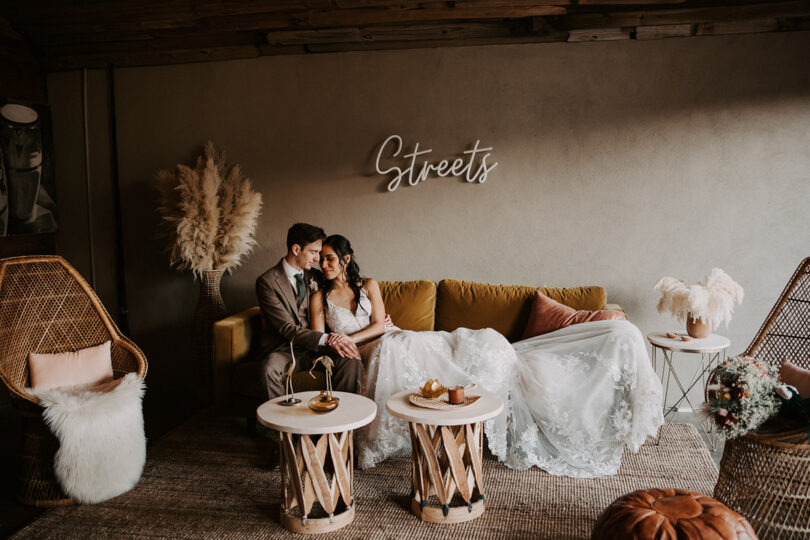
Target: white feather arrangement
<point x="209" y="213"/>
<point x="712" y="299"/>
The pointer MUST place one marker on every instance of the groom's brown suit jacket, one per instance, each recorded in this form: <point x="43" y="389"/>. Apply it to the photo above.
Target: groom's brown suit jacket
<point x="284" y="317"/>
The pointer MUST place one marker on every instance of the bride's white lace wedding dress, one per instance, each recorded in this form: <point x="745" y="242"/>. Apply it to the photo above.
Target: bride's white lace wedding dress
<point x="573" y="398"/>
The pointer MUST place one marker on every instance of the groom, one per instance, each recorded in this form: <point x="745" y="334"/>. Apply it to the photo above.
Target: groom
<point x="283" y="293"/>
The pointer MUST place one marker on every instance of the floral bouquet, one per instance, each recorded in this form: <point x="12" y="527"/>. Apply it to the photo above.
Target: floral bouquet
<point x="741" y="395"/>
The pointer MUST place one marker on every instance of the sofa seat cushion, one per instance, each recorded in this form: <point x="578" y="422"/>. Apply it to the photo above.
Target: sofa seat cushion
<point x="411" y="304"/>
<point x="504" y="308"/>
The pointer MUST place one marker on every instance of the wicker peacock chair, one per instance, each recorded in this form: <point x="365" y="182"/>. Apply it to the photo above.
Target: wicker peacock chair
<point x="765" y="476"/>
<point x="46" y="306"/>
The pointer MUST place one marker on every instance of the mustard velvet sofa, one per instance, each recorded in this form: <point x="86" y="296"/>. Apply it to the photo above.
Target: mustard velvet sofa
<point x="413" y="305"/>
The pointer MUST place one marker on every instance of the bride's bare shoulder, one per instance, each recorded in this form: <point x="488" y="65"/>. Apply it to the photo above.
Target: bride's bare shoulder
<point x="370" y="284"/>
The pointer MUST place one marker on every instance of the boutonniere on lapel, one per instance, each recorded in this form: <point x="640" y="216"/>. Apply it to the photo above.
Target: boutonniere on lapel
<point x="313" y="285"/>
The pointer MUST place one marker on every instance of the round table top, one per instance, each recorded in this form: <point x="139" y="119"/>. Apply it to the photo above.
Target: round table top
<point x="485" y="408"/>
<point x="354" y="411"/>
<point x="711" y="344"/>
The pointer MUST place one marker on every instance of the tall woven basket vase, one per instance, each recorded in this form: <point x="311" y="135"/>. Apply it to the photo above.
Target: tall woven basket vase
<point x="766" y="478"/>
<point x="210" y="308"/>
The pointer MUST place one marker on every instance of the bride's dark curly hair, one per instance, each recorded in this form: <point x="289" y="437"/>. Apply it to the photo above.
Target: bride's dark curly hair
<point x="342" y="247"/>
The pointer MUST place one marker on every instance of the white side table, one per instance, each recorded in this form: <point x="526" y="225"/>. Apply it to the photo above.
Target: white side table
<point x="712" y="351"/>
<point x="308" y="462"/>
<point x="446" y="455"/>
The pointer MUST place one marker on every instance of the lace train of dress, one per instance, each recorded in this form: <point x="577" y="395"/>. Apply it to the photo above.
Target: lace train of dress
<point x="574" y="398"/>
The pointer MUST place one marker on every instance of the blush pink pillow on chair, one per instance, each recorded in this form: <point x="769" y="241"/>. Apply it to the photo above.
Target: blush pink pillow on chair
<point x="92" y="365"/>
<point x="796" y="376"/>
<point x="548" y="315"/>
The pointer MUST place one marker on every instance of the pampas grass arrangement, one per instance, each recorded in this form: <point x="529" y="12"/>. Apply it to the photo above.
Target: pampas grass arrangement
<point x="209" y="213"/>
<point x="712" y="299"/>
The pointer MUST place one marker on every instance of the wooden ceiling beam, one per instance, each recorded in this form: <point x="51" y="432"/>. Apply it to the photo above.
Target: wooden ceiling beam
<point x="52" y="30"/>
<point x="178" y="41"/>
<point x="151" y="58"/>
<point x="148" y="32"/>
<point x="460" y="31"/>
<point x="719" y="13"/>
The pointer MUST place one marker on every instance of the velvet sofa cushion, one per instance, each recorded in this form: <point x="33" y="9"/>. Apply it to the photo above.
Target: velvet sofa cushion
<point x="548" y="315"/>
<point x="505" y="308"/>
<point x="411" y="304"/>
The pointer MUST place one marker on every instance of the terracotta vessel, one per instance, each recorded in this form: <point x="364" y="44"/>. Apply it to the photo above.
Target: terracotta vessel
<point x="456" y="395"/>
<point x="697" y="328"/>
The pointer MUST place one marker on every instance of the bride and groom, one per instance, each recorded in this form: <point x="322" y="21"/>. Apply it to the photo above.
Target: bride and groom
<point x="574" y="398"/>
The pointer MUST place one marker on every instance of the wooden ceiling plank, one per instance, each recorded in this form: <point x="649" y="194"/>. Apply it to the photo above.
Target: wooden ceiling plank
<point x="151" y="10"/>
<point x="184" y="41"/>
<point x="426" y="44"/>
<point x="737" y="27"/>
<point x="662" y="31"/>
<point x="415" y="32"/>
<point x="304" y="19"/>
<point x="149" y="58"/>
<point x="607" y="3"/>
<point x="354" y="4"/>
<point x="599" y="34"/>
<point x="687" y="15"/>
<point x="361" y="17"/>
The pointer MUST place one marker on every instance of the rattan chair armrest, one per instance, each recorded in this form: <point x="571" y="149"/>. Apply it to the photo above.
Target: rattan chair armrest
<point x="128" y="358"/>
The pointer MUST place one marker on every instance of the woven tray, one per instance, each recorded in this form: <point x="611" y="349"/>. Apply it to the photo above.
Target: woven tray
<point x="440" y="402"/>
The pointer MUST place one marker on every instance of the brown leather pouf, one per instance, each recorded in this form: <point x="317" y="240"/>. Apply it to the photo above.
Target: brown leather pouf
<point x="670" y="514"/>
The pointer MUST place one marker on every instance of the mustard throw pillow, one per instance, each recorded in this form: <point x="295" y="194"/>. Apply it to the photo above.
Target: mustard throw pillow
<point x="411" y="304"/>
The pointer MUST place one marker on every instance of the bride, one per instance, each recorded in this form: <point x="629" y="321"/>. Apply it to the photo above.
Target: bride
<point x="574" y="398"/>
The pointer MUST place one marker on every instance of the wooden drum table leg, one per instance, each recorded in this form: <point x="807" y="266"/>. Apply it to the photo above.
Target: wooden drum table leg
<point x="447" y="464"/>
<point x="316" y="471"/>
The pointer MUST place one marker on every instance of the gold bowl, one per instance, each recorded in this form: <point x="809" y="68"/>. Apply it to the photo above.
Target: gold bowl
<point x="432" y="389"/>
<point x="323" y="402"/>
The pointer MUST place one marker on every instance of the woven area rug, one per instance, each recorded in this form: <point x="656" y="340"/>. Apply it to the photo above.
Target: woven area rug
<point x="207" y="479"/>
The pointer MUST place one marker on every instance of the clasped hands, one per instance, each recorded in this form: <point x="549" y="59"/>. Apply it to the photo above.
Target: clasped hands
<point x="342" y="345"/>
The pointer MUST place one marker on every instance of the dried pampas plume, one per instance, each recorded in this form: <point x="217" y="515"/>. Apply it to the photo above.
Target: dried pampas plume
<point x="712" y="299"/>
<point x="209" y="213"/>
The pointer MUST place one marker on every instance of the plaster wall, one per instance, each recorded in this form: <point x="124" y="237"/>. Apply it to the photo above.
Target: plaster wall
<point x="618" y="163"/>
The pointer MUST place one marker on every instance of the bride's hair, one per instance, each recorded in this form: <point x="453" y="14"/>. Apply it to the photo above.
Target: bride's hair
<point x="343" y="247"/>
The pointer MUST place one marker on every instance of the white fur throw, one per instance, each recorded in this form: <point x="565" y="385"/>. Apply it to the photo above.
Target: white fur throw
<point x="102" y="447"/>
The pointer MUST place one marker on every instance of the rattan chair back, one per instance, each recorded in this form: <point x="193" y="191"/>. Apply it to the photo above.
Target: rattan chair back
<point x="765" y="476"/>
<point x="785" y="334"/>
<point x="46" y="306"/>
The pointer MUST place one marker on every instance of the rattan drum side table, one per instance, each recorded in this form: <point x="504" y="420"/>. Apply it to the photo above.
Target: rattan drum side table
<point x="317" y="459"/>
<point x="446" y="456"/>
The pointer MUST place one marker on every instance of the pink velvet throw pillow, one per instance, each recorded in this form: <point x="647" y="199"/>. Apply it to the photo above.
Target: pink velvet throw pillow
<point x="548" y="315"/>
<point x="92" y="365"/>
<point x="796" y="376"/>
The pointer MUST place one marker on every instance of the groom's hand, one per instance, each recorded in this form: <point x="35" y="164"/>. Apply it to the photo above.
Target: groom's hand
<point x="388" y="322"/>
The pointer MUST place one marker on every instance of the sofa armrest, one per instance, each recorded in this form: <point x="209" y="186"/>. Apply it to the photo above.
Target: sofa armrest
<point x="234" y="338"/>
